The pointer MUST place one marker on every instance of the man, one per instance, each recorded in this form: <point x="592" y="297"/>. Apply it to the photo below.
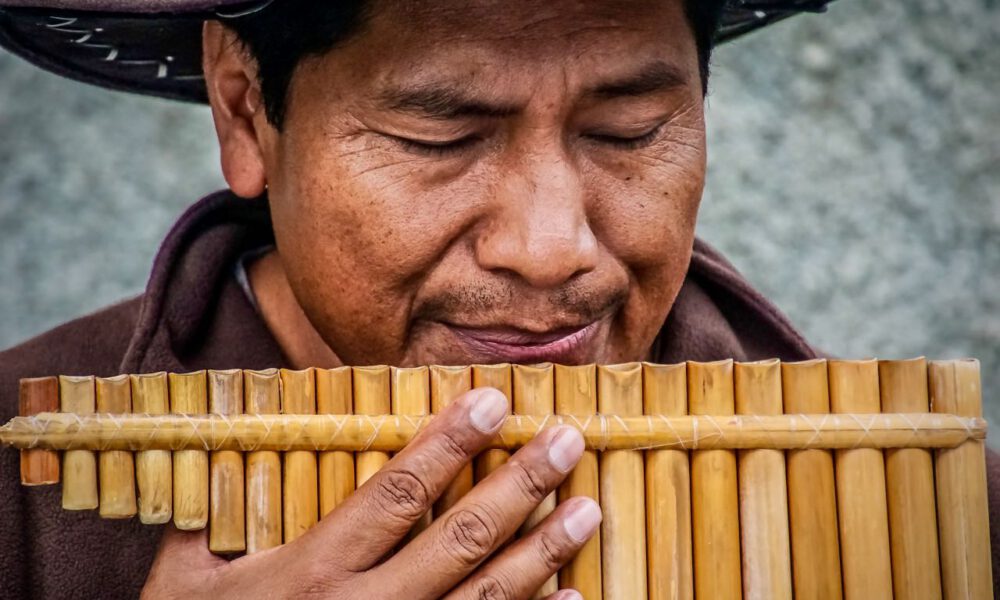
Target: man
<point x="412" y="183"/>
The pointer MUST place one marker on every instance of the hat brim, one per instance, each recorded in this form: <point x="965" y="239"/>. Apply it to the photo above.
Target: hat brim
<point x="156" y="49"/>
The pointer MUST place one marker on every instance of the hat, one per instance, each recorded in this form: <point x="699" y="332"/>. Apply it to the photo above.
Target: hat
<point x="153" y="47"/>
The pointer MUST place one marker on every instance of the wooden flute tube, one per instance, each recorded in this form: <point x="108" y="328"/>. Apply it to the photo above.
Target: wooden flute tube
<point x="410" y="392"/>
<point x="909" y="483"/>
<point x="499" y="377"/>
<point x="153" y="468"/>
<point x="79" y="490"/>
<point x="812" y="495"/>
<point x="227" y="516"/>
<point x="336" y="468"/>
<point x="715" y="521"/>
<point x="116" y="469"/>
<point x="668" y="491"/>
<point x="262" y="396"/>
<point x="447" y="384"/>
<point x="300" y="491"/>
<point x="576" y="394"/>
<point x="38" y="395"/>
<point x="623" y="531"/>
<point x="861" y="499"/>
<point x="763" y="495"/>
<point x="534" y="395"/>
<point x="963" y="508"/>
<point x="189" y="395"/>
<point x="371" y="397"/>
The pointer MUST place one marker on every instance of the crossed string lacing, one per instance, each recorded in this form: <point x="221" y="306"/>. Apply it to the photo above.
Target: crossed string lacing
<point x="295" y="429"/>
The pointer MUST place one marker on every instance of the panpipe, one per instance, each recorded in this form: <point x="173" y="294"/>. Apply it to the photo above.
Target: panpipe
<point x="819" y="479"/>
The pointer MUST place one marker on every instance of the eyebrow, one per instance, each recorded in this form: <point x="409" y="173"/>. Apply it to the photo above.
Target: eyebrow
<point x="443" y="102"/>
<point x="448" y="101"/>
<point x="654" y="77"/>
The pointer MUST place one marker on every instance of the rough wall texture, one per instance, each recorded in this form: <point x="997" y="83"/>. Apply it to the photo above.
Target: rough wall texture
<point x="854" y="178"/>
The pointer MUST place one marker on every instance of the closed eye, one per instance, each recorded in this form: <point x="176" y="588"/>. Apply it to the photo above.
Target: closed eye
<point x="435" y="147"/>
<point x="628" y="143"/>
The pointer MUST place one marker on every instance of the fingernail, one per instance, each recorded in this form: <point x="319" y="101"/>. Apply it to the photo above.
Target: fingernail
<point x="489" y="410"/>
<point x="583" y="520"/>
<point x="570" y="595"/>
<point x="565" y="449"/>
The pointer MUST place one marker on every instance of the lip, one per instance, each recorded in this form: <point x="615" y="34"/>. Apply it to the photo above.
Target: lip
<point x="569" y="345"/>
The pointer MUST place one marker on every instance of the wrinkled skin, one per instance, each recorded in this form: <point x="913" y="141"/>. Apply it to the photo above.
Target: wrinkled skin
<point x="461" y="182"/>
<point x="546" y="210"/>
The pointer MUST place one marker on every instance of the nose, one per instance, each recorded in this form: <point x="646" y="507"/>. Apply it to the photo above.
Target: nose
<point x="538" y="228"/>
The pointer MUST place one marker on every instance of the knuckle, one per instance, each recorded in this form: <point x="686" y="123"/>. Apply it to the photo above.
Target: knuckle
<point x="453" y="450"/>
<point x="402" y="494"/>
<point x="469" y="535"/>
<point x="313" y="582"/>
<point x="493" y="587"/>
<point x="551" y="552"/>
<point x="529" y="481"/>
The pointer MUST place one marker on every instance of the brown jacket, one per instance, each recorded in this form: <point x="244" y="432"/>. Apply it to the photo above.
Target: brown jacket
<point x="194" y="315"/>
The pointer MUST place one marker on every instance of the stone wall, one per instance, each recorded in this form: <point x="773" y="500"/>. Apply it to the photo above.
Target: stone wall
<point x="853" y="178"/>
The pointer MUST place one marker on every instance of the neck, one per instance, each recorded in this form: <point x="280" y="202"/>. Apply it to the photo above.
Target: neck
<point x="301" y="344"/>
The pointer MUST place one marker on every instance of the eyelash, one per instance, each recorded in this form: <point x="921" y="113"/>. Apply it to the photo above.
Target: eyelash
<point x="632" y="143"/>
<point x="433" y="149"/>
<point x="456" y="146"/>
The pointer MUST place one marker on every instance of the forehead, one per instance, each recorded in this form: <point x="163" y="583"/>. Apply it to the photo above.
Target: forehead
<point x="497" y="40"/>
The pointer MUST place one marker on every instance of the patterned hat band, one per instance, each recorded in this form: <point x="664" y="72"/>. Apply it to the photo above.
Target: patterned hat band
<point x="153" y="47"/>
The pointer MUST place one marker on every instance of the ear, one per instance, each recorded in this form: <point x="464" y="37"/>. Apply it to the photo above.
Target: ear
<point x="237" y="108"/>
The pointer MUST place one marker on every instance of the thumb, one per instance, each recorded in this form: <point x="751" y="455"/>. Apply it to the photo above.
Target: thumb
<point x="183" y="554"/>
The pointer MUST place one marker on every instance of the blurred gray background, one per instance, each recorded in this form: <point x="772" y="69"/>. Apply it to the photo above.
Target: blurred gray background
<point x="854" y="178"/>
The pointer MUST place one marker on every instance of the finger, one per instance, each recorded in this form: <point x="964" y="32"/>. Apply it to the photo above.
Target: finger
<point x="456" y="543"/>
<point x="373" y="519"/>
<point x="522" y="568"/>
<point x="565" y="595"/>
<point x="183" y="553"/>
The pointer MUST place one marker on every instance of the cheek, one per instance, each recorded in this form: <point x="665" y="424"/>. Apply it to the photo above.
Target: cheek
<point x="357" y="235"/>
<point x="648" y="207"/>
<point x="646" y="217"/>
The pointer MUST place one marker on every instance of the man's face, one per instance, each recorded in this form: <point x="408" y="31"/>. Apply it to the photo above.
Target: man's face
<point x="492" y="181"/>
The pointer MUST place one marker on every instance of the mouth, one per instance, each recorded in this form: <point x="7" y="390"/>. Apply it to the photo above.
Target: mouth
<point x="567" y="345"/>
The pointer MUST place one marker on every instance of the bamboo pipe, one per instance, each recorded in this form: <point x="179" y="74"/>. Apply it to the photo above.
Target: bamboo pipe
<point x="623" y="531"/>
<point x="861" y="499"/>
<point x="116" y="469"/>
<point x="38" y="395"/>
<point x="715" y="507"/>
<point x="371" y="397"/>
<point x="336" y="468"/>
<point x="227" y="516"/>
<point x="410" y="393"/>
<point x="300" y="489"/>
<point x="963" y="508"/>
<point x="188" y="396"/>
<point x="668" y="491"/>
<point x="261" y="396"/>
<point x="499" y="377"/>
<point x="153" y="468"/>
<point x="386" y="433"/>
<point x="533" y="395"/>
<point x="576" y="394"/>
<point x="447" y="384"/>
<point x="812" y="495"/>
<point x="79" y="490"/>
<point x="909" y="483"/>
<point x="763" y="494"/>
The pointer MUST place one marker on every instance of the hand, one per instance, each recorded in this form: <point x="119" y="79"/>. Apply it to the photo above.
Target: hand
<point x="344" y="556"/>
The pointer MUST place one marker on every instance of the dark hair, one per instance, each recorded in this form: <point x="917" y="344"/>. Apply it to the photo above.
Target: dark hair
<point x="285" y="32"/>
